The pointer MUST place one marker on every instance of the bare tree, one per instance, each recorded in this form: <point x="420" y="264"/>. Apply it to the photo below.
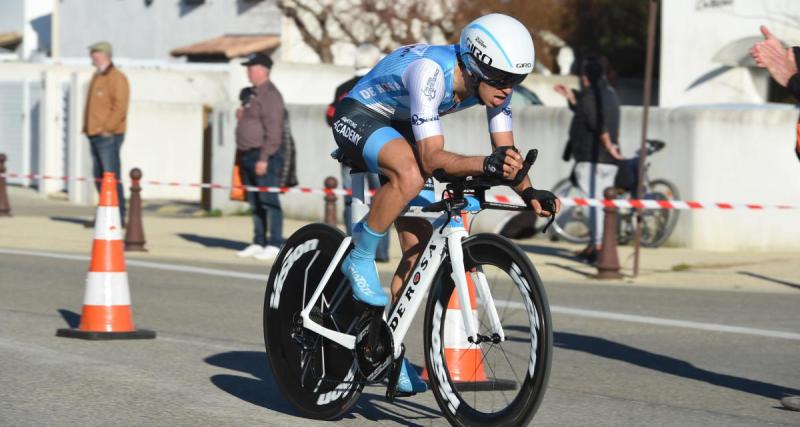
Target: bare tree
<point x="389" y="24"/>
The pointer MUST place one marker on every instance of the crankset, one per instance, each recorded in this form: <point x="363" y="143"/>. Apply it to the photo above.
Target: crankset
<point x="374" y="348"/>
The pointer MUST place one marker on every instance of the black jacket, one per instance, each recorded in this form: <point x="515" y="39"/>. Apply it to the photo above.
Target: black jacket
<point x="588" y="124"/>
<point x="794" y="88"/>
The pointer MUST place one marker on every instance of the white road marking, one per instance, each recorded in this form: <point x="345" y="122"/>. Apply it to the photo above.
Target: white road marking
<point x="593" y="314"/>
<point x="634" y="318"/>
<point x="148" y="264"/>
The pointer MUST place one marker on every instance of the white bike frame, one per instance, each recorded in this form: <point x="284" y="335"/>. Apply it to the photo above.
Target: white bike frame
<point x="446" y="235"/>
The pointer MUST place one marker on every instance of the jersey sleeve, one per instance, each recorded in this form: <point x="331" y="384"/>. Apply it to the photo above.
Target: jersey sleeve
<point x="424" y="80"/>
<point x="500" y="117"/>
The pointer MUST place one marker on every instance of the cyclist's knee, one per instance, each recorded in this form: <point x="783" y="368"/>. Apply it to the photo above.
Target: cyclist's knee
<point x="409" y="183"/>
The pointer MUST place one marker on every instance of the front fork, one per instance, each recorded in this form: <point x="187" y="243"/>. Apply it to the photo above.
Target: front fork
<point x="459" y="277"/>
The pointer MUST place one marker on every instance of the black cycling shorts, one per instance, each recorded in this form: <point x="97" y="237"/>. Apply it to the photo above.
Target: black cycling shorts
<point x="361" y="133"/>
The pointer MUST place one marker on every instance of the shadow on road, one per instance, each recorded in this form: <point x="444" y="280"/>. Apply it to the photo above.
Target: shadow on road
<point x="80" y="221"/>
<point x="669" y="365"/>
<point x="549" y="251"/>
<point x="570" y="269"/>
<point x="72" y="318"/>
<point x="770" y="279"/>
<point x="213" y="242"/>
<point x="261" y="390"/>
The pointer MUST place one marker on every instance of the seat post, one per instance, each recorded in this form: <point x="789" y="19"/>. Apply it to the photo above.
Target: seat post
<point x="359" y="207"/>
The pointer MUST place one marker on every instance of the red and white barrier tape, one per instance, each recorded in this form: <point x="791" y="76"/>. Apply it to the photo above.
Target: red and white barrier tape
<point x="620" y="203"/>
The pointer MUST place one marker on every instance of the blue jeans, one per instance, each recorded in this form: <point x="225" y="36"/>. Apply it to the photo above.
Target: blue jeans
<point x="374" y="184"/>
<point x="105" y="156"/>
<point x="266" y="207"/>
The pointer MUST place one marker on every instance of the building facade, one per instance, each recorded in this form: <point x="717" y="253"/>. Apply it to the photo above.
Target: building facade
<point x="150" y="29"/>
<point x="704" y="49"/>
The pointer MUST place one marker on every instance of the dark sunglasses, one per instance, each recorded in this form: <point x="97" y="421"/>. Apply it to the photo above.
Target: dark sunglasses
<point x="497" y="78"/>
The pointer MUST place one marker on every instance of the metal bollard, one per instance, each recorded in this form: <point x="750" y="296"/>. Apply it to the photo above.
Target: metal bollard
<point x="5" y="208"/>
<point x="330" y="201"/>
<point x="608" y="261"/>
<point x="134" y="234"/>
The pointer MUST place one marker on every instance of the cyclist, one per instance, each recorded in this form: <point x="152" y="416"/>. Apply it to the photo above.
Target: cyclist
<point x="389" y="124"/>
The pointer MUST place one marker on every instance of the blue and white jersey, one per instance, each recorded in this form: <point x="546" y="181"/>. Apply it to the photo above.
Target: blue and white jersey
<point x="415" y="83"/>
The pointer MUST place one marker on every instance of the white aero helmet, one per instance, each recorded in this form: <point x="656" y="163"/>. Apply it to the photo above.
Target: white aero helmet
<point x="497" y="49"/>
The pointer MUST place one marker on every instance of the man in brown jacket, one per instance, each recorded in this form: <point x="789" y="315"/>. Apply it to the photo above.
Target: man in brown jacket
<point x="104" y="119"/>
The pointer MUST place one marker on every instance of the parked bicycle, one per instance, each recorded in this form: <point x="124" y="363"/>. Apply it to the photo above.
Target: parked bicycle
<point x="324" y="347"/>
<point x="572" y="224"/>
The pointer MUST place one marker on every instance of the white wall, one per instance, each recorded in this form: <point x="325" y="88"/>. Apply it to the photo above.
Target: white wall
<point x="693" y="31"/>
<point x="166" y="141"/>
<point x="738" y="155"/>
<point x="37" y="35"/>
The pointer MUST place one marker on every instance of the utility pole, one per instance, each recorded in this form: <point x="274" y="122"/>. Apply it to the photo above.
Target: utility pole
<point x="648" y="84"/>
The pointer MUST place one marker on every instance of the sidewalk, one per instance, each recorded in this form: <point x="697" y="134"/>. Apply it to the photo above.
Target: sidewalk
<point x="179" y="232"/>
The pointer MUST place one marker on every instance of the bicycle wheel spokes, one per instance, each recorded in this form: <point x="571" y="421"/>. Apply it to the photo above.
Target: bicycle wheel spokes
<point x="499" y="382"/>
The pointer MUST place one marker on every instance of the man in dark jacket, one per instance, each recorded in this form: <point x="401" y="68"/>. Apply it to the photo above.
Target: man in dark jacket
<point x="782" y="64"/>
<point x="259" y="135"/>
<point x="593" y="136"/>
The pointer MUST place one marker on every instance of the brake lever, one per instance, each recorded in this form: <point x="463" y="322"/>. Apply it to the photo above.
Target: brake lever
<point x="549" y="206"/>
<point x="530" y="159"/>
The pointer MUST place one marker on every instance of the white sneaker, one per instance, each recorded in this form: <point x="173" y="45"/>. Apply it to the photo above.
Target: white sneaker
<point x="268" y="254"/>
<point x="250" y="251"/>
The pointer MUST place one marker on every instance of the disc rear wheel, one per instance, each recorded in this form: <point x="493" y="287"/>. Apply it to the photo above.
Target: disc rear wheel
<point x="317" y="376"/>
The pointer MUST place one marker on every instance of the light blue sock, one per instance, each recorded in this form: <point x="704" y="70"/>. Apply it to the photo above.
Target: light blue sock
<point x="359" y="267"/>
<point x="367" y="244"/>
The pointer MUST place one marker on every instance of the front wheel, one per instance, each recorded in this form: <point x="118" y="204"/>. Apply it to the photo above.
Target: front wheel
<point x="493" y="383"/>
<point x="317" y="376"/>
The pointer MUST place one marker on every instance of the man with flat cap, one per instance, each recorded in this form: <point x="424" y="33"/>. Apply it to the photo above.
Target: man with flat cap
<point x="104" y="120"/>
<point x="259" y="134"/>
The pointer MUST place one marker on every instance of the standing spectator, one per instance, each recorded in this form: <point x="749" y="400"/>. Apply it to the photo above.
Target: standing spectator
<point x="259" y="134"/>
<point x="593" y="136"/>
<point x="367" y="56"/>
<point x="104" y="119"/>
<point x="782" y="64"/>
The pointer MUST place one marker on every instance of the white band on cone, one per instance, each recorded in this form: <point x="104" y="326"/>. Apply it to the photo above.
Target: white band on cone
<point x="107" y="289"/>
<point x="454" y="333"/>
<point x="107" y="223"/>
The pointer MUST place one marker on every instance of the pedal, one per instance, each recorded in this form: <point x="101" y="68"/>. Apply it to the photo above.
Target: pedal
<point x="394" y="375"/>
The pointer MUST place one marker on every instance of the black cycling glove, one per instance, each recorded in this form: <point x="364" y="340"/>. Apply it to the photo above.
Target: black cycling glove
<point x="546" y="199"/>
<point x="493" y="164"/>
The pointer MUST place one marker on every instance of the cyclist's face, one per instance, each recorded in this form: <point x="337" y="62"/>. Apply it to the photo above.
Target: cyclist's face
<point x="493" y="96"/>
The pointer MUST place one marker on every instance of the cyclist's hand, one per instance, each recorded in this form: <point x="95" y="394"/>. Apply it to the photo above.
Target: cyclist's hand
<point x="543" y="203"/>
<point x="504" y="163"/>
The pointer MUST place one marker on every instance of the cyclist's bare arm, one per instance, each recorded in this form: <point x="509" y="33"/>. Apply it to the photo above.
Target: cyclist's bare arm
<point x="433" y="156"/>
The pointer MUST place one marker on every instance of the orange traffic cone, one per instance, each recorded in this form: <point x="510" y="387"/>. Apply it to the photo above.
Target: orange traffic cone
<point x="465" y="360"/>
<point x="107" y="302"/>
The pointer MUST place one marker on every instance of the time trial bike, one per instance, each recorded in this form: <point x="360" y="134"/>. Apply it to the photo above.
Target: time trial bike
<point x="324" y="347"/>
